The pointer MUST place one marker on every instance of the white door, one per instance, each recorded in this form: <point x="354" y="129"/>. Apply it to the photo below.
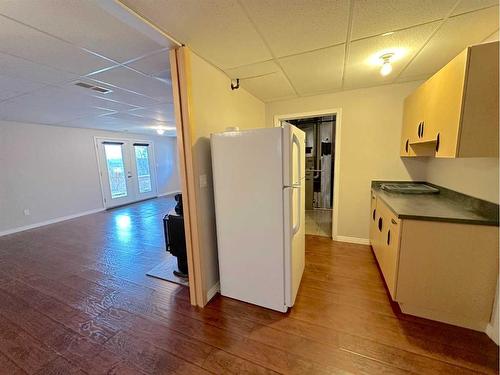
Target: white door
<point x="143" y="170"/>
<point x="126" y="170"/>
<point x="294" y="217"/>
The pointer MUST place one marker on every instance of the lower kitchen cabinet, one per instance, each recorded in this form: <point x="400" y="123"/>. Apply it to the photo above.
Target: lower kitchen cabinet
<point x="438" y="270"/>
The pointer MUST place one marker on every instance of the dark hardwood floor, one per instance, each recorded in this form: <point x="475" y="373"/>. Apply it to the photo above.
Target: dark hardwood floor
<point x="75" y="299"/>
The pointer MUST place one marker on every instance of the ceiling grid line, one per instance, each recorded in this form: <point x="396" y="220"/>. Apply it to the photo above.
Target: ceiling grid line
<point x="275" y="59"/>
<point x="59" y="39"/>
<point x="438" y="27"/>
<point x="314" y="47"/>
<point x="348" y="41"/>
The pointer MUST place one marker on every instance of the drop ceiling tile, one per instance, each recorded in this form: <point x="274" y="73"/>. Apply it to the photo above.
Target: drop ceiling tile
<point x="294" y="26"/>
<point x="22" y="41"/>
<point x="363" y="64"/>
<point x="16" y="67"/>
<point x="269" y="87"/>
<point x="218" y="30"/>
<point x="316" y="71"/>
<point x="492" y="38"/>
<point x="11" y="87"/>
<point x="128" y="79"/>
<point x="455" y="35"/>
<point x="471" y="5"/>
<point x="156" y="65"/>
<point x="253" y="70"/>
<point x="375" y="17"/>
<point x="48" y="105"/>
<point x="265" y="80"/>
<point x="161" y="112"/>
<point x="126" y="97"/>
<point x="83" y="23"/>
<point x="128" y="120"/>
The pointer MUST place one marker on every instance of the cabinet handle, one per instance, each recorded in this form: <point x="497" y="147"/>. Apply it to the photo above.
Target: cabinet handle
<point x="406" y="145"/>
<point x="389" y="237"/>
<point x="373" y="215"/>
<point x="437" y="143"/>
<point x="380" y="224"/>
<point x="422" y="129"/>
<point x="394" y="221"/>
<point x="418" y="129"/>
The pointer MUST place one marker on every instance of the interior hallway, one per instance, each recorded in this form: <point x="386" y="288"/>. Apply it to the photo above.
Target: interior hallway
<point x="75" y="299"/>
<point x="319" y="222"/>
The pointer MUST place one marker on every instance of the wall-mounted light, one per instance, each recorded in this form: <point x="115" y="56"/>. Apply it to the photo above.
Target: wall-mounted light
<point x="386" y="68"/>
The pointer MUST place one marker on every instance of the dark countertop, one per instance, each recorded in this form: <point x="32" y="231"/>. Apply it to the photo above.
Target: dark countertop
<point x="448" y="206"/>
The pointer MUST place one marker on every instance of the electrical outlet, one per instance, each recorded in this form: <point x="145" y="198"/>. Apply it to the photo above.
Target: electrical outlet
<point x="27" y="212"/>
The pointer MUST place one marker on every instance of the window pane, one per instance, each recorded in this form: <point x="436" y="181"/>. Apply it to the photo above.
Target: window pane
<point x="116" y="171"/>
<point x="143" y="172"/>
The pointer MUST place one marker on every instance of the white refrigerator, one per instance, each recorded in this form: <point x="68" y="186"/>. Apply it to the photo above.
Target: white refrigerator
<point x="259" y="191"/>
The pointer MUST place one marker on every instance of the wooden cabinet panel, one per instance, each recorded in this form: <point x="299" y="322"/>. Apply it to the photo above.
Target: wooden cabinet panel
<point x="437" y="270"/>
<point x="373" y="218"/>
<point x="479" y="131"/>
<point x="444" y="109"/>
<point x="448" y="272"/>
<point x="385" y="239"/>
<point x="413" y="116"/>
<point x="455" y="112"/>
<point x="389" y="247"/>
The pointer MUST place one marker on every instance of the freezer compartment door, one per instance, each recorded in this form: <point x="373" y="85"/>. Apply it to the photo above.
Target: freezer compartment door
<point x="294" y="217"/>
<point x="294" y="161"/>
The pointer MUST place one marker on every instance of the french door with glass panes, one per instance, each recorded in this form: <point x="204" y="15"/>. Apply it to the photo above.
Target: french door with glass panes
<point x="127" y="170"/>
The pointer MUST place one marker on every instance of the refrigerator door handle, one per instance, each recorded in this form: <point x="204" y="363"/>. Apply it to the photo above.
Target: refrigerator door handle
<point x="296" y="140"/>
<point x="296" y="227"/>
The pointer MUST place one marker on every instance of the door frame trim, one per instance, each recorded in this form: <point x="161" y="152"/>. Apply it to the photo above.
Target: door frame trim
<point x="336" y="175"/>
<point x="181" y="89"/>
<point x="99" y="166"/>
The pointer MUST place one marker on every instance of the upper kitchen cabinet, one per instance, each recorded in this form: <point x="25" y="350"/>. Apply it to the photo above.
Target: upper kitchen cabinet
<point x="455" y="112"/>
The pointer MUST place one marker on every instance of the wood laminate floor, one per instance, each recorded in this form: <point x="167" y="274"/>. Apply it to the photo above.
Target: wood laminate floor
<point x="319" y="222"/>
<point x="75" y="299"/>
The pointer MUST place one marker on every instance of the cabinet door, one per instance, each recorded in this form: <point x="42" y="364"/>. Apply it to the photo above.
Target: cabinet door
<point x="391" y="249"/>
<point x="413" y="117"/>
<point x="373" y="219"/>
<point x="386" y="248"/>
<point x="378" y="230"/>
<point x="444" y="108"/>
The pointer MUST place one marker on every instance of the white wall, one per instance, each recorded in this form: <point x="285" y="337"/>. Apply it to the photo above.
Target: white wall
<point x="477" y="177"/>
<point x="370" y="130"/>
<point x="214" y="107"/>
<point x="52" y="171"/>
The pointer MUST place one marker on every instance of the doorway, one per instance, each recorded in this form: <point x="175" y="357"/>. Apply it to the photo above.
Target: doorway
<point x="320" y="156"/>
<point x="322" y="149"/>
<point x="127" y="171"/>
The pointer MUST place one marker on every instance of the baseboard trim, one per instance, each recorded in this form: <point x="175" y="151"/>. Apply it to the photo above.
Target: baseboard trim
<point x="168" y="193"/>
<point x="490" y="331"/>
<point x="48" y="222"/>
<point x="356" y="240"/>
<point x="213" y="291"/>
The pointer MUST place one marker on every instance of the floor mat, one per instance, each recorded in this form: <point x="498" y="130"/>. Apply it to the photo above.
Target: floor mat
<point x="165" y="271"/>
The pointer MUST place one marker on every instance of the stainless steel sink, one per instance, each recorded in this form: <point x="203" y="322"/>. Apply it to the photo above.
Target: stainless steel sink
<point x="409" y="188"/>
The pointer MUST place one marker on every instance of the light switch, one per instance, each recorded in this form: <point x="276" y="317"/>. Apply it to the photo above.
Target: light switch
<point x="203" y="180"/>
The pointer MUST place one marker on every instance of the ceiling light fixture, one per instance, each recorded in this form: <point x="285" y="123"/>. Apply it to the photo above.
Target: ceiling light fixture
<point x="386" y="68"/>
